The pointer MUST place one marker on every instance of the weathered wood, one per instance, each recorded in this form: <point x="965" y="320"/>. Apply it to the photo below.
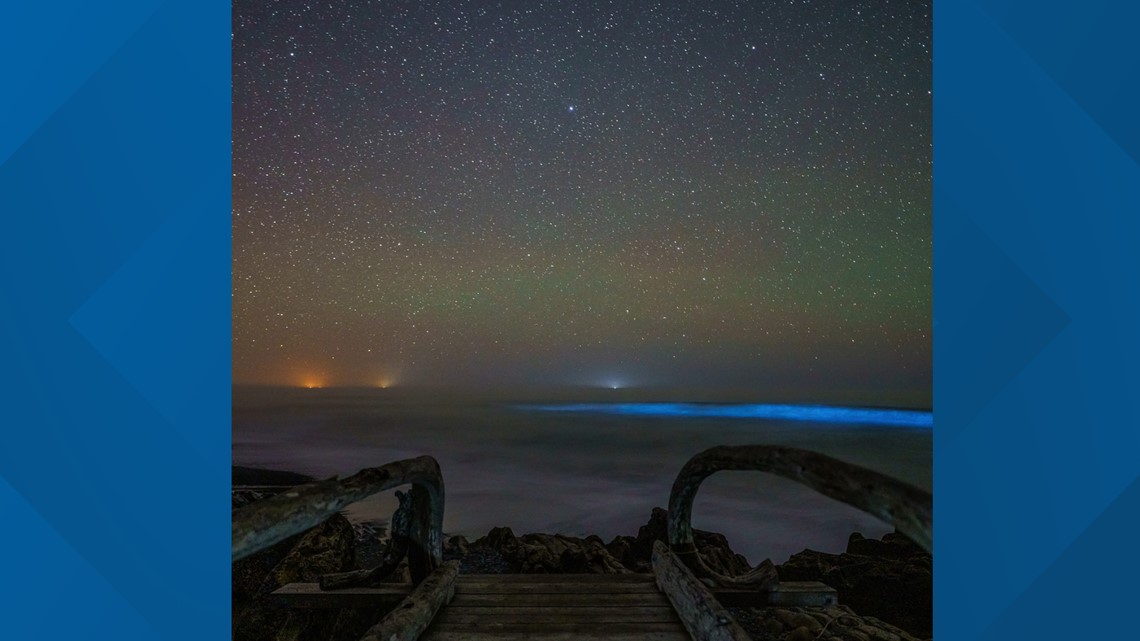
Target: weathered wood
<point x="416" y="612"/>
<point x="541" y="625"/>
<point x="466" y="599"/>
<point x="545" y="633"/>
<point x="511" y="606"/>
<point x="560" y="579"/>
<point x="422" y="537"/>
<point x="386" y="595"/>
<point x="261" y="524"/>
<point x="520" y="588"/>
<point x="558" y="614"/>
<point x="311" y="596"/>
<point x="702" y="615"/>
<point x="908" y="508"/>
<point x="785" y="595"/>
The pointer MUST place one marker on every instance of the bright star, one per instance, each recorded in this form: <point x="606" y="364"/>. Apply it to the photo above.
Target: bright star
<point x="571" y="108"/>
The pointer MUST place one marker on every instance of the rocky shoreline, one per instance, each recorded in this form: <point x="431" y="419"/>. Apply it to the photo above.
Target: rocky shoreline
<point x="885" y="586"/>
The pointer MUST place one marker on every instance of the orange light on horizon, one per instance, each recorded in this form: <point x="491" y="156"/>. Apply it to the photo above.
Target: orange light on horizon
<point x="311" y="384"/>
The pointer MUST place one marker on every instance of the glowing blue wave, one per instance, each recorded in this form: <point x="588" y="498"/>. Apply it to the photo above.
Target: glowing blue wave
<point x="814" y="413"/>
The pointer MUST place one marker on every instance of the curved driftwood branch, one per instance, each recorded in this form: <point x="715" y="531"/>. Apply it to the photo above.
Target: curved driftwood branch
<point x="415" y="613"/>
<point x="261" y="524"/>
<point x="908" y="508"/>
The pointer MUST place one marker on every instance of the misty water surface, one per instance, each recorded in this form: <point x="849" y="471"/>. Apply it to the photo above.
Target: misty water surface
<point x="570" y="472"/>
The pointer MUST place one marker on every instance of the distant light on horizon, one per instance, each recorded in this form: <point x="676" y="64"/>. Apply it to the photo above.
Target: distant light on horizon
<point x="812" y="413"/>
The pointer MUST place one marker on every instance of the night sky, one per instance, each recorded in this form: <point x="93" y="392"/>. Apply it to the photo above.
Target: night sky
<point x="708" y="195"/>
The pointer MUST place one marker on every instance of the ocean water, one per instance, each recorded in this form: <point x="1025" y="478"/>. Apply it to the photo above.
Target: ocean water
<point x="579" y="469"/>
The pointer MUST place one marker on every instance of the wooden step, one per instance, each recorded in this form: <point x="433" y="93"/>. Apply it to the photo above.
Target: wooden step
<point x="558" y="578"/>
<point x="558" y="632"/>
<point x="546" y="590"/>
<point x="311" y="596"/>
<point x="601" y="599"/>
<point x="590" y="613"/>
<point x="786" y="594"/>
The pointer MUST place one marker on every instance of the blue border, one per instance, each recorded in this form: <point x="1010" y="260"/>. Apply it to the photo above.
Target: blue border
<point x="115" y="316"/>
<point x="1037" y="294"/>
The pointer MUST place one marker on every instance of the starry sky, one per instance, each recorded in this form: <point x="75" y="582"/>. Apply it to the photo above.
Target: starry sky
<point x="711" y="194"/>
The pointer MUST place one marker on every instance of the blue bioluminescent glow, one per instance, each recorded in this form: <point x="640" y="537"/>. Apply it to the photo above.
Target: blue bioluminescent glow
<point x="813" y="413"/>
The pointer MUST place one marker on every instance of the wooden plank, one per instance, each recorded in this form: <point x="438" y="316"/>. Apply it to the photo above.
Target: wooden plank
<point x="461" y="633"/>
<point x="408" y="621"/>
<point x="310" y="596"/>
<point x="701" y="614"/>
<point x="786" y="594"/>
<point x="540" y="627"/>
<point x="466" y="599"/>
<point x="468" y="587"/>
<point x="561" y="578"/>
<point x="584" y="614"/>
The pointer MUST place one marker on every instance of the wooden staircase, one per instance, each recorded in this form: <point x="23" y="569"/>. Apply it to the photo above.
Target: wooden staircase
<point x="673" y="603"/>
<point x="551" y="607"/>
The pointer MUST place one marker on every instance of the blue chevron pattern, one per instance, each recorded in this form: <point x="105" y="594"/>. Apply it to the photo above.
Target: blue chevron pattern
<point x="1037" y="193"/>
<point x="114" y="307"/>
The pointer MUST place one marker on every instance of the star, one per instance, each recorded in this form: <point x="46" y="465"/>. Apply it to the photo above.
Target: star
<point x="424" y="184"/>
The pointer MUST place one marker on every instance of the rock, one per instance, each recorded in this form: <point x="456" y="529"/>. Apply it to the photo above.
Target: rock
<point x="890" y="579"/>
<point x="479" y="560"/>
<point x="803" y="623"/>
<point x="249" y="573"/>
<point x="892" y="546"/>
<point x="456" y="546"/>
<point x="635" y="552"/>
<point x="620" y="548"/>
<point x="247" y="576"/>
<point x="497" y="539"/>
<point x="556" y="553"/>
<point x="800" y="634"/>
<point x="329" y="547"/>
<point x="550" y="553"/>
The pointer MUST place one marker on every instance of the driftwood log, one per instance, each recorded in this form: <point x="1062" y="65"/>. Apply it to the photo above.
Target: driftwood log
<point x="261" y="524"/>
<point x="702" y="615"/>
<point x="415" y="613"/>
<point x="906" y="507"/>
<point x="394" y="552"/>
